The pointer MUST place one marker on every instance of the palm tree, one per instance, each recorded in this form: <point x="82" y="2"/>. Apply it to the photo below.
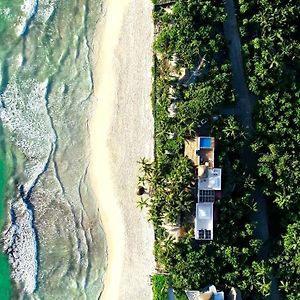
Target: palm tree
<point x="282" y="199"/>
<point x="142" y="202"/>
<point x="147" y="168"/>
<point x="263" y="272"/>
<point x="232" y="128"/>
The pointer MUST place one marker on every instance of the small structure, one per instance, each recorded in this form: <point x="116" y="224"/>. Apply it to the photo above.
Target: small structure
<point x="172" y="135"/>
<point x="234" y="294"/>
<point x="172" y="94"/>
<point x="211" y="294"/>
<point x="172" y="109"/>
<point x="202" y="123"/>
<point x="196" y="295"/>
<point x="195" y="73"/>
<point x="172" y="90"/>
<point x="174" y="60"/>
<point x="210" y="180"/>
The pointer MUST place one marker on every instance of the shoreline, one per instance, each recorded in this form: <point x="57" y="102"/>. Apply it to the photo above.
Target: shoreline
<point x="121" y="132"/>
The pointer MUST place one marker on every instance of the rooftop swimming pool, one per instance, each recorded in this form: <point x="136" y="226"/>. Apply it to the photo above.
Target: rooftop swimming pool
<point x="205" y="143"/>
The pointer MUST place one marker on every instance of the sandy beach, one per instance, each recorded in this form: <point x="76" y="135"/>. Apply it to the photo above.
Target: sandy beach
<point x="121" y="132"/>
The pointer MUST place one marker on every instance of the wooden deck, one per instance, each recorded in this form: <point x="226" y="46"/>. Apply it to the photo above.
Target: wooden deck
<point x="206" y="159"/>
<point x="207" y="156"/>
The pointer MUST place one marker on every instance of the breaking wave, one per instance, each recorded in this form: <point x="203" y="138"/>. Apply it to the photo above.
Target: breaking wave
<point x="53" y="237"/>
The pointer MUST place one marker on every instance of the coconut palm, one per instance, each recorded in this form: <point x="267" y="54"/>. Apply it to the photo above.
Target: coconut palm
<point x="142" y="202"/>
<point x="232" y="129"/>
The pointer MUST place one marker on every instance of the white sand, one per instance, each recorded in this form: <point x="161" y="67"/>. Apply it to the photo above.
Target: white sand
<point x="121" y="132"/>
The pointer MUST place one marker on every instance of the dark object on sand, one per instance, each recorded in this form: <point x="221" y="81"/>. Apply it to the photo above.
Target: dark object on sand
<point x="140" y="190"/>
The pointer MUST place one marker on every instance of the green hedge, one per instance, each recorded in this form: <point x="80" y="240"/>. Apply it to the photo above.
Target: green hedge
<point x="160" y="287"/>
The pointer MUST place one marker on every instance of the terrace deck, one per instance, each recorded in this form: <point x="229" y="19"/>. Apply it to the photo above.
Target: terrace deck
<point x="206" y="158"/>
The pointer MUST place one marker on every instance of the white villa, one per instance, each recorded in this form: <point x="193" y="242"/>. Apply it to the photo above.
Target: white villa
<point x="201" y="151"/>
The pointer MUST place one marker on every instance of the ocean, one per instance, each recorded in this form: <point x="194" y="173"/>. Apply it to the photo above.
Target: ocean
<point x="53" y="245"/>
<point x="5" y="284"/>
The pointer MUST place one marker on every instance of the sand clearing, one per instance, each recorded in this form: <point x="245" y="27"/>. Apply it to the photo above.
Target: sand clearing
<point x="121" y="132"/>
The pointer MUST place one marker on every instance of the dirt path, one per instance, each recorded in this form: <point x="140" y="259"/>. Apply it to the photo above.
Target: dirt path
<point x="245" y="100"/>
<point x="243" y="110"/>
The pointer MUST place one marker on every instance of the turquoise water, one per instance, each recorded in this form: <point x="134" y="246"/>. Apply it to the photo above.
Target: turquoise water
<point x="52" y="235"/>
<point x="5" y="284"/>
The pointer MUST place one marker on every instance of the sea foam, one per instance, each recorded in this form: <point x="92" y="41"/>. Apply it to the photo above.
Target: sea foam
<point x="25" y="115"/>
<point x="29" y="9"/>
<point x="46" y="9"/>
<point x="53" y="238"/>
<point x="20" y="245"/>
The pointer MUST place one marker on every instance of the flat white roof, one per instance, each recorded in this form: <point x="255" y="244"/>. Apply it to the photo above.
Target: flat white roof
<point x="204" y="219"/>
<point x="204" y="211"/>
<point x="212" y="181"/>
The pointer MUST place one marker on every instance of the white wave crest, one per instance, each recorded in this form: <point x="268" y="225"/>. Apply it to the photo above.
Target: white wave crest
<point x="25" y="115"/>
<point x="28" y="9"/>
<point x="46" y="9"/>
<point x="20" y="244"/>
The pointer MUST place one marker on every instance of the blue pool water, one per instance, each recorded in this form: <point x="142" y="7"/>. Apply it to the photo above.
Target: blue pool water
<point x="205" y="142"/>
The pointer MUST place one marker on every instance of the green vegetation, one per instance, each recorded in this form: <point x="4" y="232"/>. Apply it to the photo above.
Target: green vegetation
<point x="190" y="37"/>
<point x="160" y="287"/>
<point x="271" y="48"/>
<point x="180" y="296"/>
<point x="230" y="260"/>
<point x="192" y="27"/>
